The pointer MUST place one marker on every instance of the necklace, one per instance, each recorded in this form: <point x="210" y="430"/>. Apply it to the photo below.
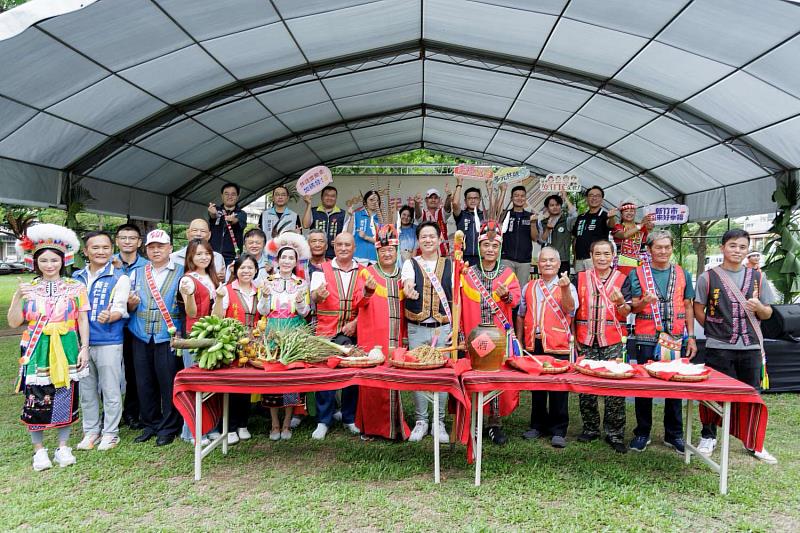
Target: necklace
<point x="493" y="274"/>
<point x="383" y="272"/>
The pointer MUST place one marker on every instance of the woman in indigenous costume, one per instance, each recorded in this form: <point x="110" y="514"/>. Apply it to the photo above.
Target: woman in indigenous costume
<point x="630" y="238"/>
<point x="198" y="290"/>
<point x="238" y="299"/>
<point x="285" y="301"/>
<point x="381" y="323"/>
<point x="55" y="309"/>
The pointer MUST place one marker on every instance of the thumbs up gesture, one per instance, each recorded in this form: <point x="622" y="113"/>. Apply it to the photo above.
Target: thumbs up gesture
<point x="616" y="297"/>
<point x="321" y="293"/>
<point x="221" y="291"/>
<point x="186" y="286"/>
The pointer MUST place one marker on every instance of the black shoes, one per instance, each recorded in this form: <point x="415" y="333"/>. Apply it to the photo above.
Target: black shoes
<point x="532" y="434"/>
<point x="163" y="440"/>
<point x="132" y="422"/>
<point x="587" y="437"/>
<point x="497" y="435"/>
<point x="145" y="436"/>
<point x="617" y="446"/>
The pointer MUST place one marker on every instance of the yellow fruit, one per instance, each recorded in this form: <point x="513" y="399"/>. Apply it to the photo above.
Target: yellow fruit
<point x="244" y="341"/>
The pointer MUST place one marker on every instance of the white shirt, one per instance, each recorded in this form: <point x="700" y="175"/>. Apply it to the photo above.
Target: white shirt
<point x="160" y="274"/>
<point x="318" y="278"/>
<point x="248" y="298"/>
<point x="407" y="273"/>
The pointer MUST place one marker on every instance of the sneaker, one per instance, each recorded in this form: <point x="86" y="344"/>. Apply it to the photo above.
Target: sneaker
<point x="337" y="415"/>
<point x="63" y="456"/>
<point x="532" y="434"/>
<point x="275" y="434"/>
<point x="444" y="438"/>
<point x="497" y="435"/>
<point x="676" y="444"/>
<point x="296" y="421"/>
<point x="41" y="461"/>
<point x="352" y="428"/>
<point x="617" y="445"/>
<point x="108" y="442"/>
<point x="243" y="434"/>
<point x="764" y="456"/>
<point x="286" y="434"/>
<point x="214" y="435"/>
<point x="233" y="438"/>
<point x="88" y="441"/>
<point x="587" y="437"/>
<point x="320" y="432"/>
<point x="419" y="431"/>
<point x="706" y="446"/>
<point x="558" y="441"/>
<point x="639" y="443"/>
<point x="203" y="441"/>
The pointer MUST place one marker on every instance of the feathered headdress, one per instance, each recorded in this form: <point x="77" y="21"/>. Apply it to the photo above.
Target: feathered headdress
<point x="387" y="236"/>
<point x="50" y="236"/>
<point x="490" y="230"/>
<point x="294" y="241"/>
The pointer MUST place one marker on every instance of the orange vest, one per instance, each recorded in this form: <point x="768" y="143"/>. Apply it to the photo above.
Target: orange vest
<point x="555" y="339"/>
<point x="340" y="306"/>
<point x="236" y="309"/>
<point x="611" y="333"/>
<point x="645" y="321"/>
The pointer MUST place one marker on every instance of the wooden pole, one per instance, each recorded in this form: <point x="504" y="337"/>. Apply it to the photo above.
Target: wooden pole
<point x="458" y="262"/>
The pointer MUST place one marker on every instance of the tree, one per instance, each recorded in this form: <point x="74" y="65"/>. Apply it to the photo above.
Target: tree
<point x="783" y="250"/>
<point x="5" y="5"/>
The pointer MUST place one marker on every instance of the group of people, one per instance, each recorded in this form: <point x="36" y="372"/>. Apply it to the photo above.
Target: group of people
<point x="361" y="280"/>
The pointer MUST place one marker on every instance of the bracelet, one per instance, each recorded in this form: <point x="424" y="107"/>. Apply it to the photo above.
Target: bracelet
<point x="692" y="337"/>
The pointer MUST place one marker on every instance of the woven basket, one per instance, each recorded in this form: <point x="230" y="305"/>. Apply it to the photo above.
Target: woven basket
<point x="607" y="375"/>
<point x="512" y="362"/>
<point x="360" y="362"/>
<point x="678" y="377"/>
<point x="417" y="366"/>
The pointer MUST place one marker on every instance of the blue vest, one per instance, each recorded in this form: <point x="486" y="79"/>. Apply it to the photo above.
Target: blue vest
<point x="100" y="294"/>
<point x="146" y="321"/>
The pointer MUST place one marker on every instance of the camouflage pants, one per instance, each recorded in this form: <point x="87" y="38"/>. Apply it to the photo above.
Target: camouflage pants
<point x="614" y="408"/>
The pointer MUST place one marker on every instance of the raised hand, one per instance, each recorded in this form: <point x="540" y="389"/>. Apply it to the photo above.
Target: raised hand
<point x="133" y="298"/>
<point x="212" y="209"/>
<point x="104" y="316"/>
<point x="307" y="199"/>
<point x="447" y="191"/>
<point x="186" y="286"/>
<point x="613" y="212"/>
<point x="321" y="293"/>
<point x="409" y="290"/>
<point x="563" y="281"/>
<point x="754" y="305"/>
<point x="221" y="290"/>
<point x="501" y="290"/>
<point x="370" y="284"/>
<point x="616" y="297"/>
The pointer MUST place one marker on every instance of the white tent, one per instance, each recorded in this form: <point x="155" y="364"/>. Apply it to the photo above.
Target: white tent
<point x="155" y="103"/>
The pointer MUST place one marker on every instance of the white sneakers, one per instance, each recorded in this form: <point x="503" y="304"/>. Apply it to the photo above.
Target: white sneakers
<point x="286" y="434"/>
<point x="706" y="446"/>
<point x="320" y="432"/>
<point x="444" y="438"/>
<point x="296" y="421"/>
<point x="41" y="461"/>
<point x="244" y="434"/>
<point x="108" y="442"/>
<point x="88" y="441"/>
<point x="63" y="456"/>
<point x="275" y="434"/>
<point x="233" y="437"/>
<point x="764" y="456"/>
<point x="419" y="431"/>
<point x="352" y="428"/>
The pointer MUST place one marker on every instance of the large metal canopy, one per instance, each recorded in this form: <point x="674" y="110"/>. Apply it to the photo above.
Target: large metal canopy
<point x="153" y="104"/>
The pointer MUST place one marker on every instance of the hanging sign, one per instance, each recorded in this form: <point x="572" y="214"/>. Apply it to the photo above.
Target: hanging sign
<point x="511" y="175"/>
<point x="473" y="172"/>
<point x="314" y="180"/>
<point x="666" y="214"/>
<point x="559" y="183"/>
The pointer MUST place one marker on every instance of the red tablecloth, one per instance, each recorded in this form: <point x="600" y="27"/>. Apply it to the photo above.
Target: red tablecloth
<point x="251" y="380"/>
<point x="748" y="411"/>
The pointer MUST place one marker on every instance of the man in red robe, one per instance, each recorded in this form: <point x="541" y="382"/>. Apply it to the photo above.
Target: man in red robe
<point x="381" y="323"/>
<point x="489" y="291"/>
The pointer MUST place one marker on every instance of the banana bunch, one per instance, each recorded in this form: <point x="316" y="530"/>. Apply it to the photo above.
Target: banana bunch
<point x="226" y="332"/>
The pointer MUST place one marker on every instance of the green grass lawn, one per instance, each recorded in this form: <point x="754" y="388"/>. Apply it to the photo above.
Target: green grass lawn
<point x="9" y="284"/>
<point x="344" y="483"/>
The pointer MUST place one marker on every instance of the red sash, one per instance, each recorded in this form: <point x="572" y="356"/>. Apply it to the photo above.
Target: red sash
<point x="496" y="311"/>
<point x="162" y="308"/>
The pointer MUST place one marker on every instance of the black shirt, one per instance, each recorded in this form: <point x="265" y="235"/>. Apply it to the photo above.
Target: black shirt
<point x="517" y="243"/>
<point x="587" y="229"/>
<point x="465" y="221"/>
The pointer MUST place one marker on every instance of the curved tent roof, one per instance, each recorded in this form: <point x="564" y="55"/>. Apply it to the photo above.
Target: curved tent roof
<point x="159" y="102"/>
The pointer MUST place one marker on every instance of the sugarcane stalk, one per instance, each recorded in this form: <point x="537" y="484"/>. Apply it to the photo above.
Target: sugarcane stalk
<point x="191" y="344"/>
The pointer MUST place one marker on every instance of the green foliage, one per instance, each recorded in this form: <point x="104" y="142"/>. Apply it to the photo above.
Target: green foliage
<point x="783" y="250"/>
<point x="5" y="5"/>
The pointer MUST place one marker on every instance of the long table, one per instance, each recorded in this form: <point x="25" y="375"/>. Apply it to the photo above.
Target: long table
<point x="201" y="395"/>
<point x="741" y="409"/>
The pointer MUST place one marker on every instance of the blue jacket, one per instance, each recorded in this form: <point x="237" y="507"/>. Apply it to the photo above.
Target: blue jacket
<point x="146" y="321"/>
<point x="100" y="296"/>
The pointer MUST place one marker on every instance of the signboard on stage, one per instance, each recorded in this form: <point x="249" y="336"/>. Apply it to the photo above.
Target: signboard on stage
<point x="666" y="214"/>
<point x="559" y="182"/>
<point x="473" y="172"/>
<point x="314" y="180"/>
<point x="511" y="175"/>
